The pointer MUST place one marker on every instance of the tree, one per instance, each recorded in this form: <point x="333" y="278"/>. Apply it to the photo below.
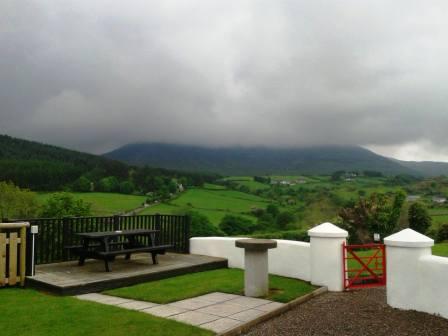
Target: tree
<point x="127" y="187"/>
<point x="65" y="205"/>
<point x="378" y="213"/>
<point x="442" y="234"/>
<point x="16" y="202"/>
<point x="283" y="219"/>
<point x="266" y="222"/>
<point x="273" y="210"/>
<point x="236" y="225"/>
<point x="109" y="184"/>
<point x="200" y="226"/>
<point x="82" y="184"/>
<point x="419" y="218"/>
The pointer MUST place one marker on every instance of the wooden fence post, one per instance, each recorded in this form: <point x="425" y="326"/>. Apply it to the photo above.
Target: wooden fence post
<point x="187" y="221"/>
<point x="116" y="222"/>
<point x="65" y="237"/>
<point x="159" y="236"/>
<point x="16" y="257"/>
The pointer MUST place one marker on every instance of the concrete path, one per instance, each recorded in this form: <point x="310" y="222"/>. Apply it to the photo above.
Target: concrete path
<point x="214" y="311"/>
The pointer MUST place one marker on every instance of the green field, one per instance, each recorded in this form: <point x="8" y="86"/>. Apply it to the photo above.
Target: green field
<point x="103" y="204"/>
<point x="28" y="312"/>
<point x="224" y="280"/>
<point x="440" y="249"/>
<point x="214" y="203"/>
<point x="247" y="181"/>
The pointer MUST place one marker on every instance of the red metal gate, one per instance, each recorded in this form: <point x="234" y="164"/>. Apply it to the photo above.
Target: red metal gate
<point x="364" y="265"/>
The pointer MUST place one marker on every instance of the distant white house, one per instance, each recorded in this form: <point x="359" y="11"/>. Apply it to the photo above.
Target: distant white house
<point x="439" y="200"/>
<point x="412" y="198"/>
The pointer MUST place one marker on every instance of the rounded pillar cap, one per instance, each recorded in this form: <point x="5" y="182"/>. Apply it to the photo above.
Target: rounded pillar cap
<point x="408" y="238"/>
<point x="256" y="244"/>
<point x="327" y="230"/>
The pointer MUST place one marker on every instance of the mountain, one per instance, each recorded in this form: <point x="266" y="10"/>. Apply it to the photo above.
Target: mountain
<point x="260" y="160"/>
<point x="42" y="167"/>
<point x="427" y="168"/>
<point x="39" y="166"/>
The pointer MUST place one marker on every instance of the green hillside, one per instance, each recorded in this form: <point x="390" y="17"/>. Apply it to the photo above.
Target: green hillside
<point x="214" y="204"/>
<point x="42" y="167"/>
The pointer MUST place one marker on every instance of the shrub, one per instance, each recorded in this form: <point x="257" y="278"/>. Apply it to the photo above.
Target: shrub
<point x="16" y="202"/>
<point x="419" y="219"/>
<point x="236" y="225"/>
<point x="65" y="205"/>
<point x="442" y="234"/>
<point x="200" y="226"/>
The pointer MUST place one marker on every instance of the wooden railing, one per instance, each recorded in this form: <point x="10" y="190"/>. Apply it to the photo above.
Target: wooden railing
<point x="13" y="253"/>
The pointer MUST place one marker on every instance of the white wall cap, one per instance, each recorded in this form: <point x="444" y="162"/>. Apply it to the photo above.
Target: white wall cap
<point x="408" y="238"/>
<point x="327" y="230"/>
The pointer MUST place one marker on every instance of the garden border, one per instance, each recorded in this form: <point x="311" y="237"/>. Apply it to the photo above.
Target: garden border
<point x="274" y="313"/>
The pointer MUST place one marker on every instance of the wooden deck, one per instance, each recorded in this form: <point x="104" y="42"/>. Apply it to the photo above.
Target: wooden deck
<point x="67" y="278"/>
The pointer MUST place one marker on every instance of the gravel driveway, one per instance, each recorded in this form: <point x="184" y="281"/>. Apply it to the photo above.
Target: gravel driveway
<point x="358" y="313"/>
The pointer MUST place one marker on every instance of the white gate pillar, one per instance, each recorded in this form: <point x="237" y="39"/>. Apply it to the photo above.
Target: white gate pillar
<point x="404" y="249"/>
<point x="326" y="256"/>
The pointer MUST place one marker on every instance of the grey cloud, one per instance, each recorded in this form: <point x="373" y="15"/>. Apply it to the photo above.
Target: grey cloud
<point x="96" y="75"/>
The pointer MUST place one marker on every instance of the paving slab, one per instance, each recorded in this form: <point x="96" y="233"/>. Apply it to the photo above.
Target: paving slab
<point x="194" y="317"/>
<point x="164" y="311"/>
<point x="247" y="315"/>
<point x="248" y="302"/>
<point x="217" y="297"/>
<point x="221" y="325"/>
<point x="222" y="309"/>
<point x="191" y="304"/>
<point x="104" y="299"/>
<point x="137" y="305"/>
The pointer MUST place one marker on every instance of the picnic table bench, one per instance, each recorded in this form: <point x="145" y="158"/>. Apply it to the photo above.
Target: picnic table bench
<point x="104" y="245"/>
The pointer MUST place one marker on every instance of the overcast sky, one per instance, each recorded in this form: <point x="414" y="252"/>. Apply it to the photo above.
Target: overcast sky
<point x="96" y="74"/>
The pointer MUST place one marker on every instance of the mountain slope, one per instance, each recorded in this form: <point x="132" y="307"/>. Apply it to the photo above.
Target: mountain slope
<point x="427" y="168"/>
<point x="258" y="160"/>
<point x="44" y="167"/>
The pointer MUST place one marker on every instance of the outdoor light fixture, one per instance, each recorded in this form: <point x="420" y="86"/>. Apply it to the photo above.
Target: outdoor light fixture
<point x="34" y="232"/>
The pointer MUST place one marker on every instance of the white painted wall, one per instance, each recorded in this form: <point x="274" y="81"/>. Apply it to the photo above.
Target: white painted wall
<point x="319" y="261"/>
<point x="223" y="247"/>
<point x="416" y="280"/>
<point x="290" y="258"/>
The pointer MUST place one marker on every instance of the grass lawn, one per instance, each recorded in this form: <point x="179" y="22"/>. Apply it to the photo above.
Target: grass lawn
<point x="103" y="204"/>
<point x="28" y="312"/>
<point x="224" y="280"/>
<point x="440" y="249"/>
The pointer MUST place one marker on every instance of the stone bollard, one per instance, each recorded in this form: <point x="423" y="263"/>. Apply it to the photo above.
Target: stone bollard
<point x="256" y="275"/>
<point x="404" y="251"/>
<point x="326" y="256"/>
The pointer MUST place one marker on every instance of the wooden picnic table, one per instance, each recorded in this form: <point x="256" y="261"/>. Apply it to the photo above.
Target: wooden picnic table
<point x="108" y="244"/>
